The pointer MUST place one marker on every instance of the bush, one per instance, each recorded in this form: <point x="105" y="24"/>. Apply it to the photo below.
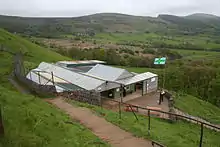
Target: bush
<point x="137" y="52"/>
<point x="149" y="51"/>
<point x="128" y="51"/>
<point x="77" y="38"/>
<point x="126" y="56"/>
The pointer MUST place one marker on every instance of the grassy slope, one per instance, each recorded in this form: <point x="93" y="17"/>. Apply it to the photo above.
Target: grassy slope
<point x="181" y="134"/>
<point x="197" y="107"/>
<point x="29" y="121"/>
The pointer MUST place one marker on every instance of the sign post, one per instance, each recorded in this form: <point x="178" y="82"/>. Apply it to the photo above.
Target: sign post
<point x="161" y="61"/>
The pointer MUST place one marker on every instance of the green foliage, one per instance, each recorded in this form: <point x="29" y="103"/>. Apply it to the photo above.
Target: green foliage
<point x="128" y="51"/>
<point x="194" y="80"/>
<point x="149" y="51"/>
<point x="197" y="80"/>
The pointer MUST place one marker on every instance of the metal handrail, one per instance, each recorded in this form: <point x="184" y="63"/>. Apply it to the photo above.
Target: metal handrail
<point x="169" y="113"/>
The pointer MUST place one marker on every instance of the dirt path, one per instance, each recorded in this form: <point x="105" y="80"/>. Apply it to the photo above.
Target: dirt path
<point x="100" y="127"/>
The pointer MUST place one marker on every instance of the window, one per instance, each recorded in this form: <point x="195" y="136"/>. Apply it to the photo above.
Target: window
<point x="153" y="79"/>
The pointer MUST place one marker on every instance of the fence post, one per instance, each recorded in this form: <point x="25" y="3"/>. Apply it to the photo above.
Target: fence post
<point x="30" y="75"/>
<point x="148" y="122"/>
<point x="201" y="135"/>
<point x="39" y="78"/>
<point x="133" y="112"/>
<point x="101" y="102"/>
<point x="1" y="123"/>
<point x="52" y="78"/>
<point x="119" y="106"/>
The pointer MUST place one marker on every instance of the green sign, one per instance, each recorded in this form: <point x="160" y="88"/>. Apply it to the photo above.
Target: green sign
<point x="160" y="61"/>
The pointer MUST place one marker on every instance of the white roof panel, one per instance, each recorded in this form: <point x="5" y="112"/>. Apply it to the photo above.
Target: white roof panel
<point x="108" y="73"/>
<point x="81" y="62"/>
<point x="80" y="80"/>
<point x="137" y="78"/>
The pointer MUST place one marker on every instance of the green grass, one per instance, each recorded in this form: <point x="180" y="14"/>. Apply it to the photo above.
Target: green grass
<point x="29" y="121"/>
<point x="194" y="55"/>
<point x="199" y="41"/>
<point x="181" y="134"/>
<point x="197" y="107"/>
<point x="16" y="43"/>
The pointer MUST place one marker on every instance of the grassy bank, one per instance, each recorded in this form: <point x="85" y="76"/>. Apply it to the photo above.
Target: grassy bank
<point x="29" y="121"/>
<point x="197" y="107"/>
<point x="181" y="134"/>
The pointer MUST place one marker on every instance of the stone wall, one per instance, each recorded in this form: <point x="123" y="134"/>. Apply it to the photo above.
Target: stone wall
<point x="90" y="97"/>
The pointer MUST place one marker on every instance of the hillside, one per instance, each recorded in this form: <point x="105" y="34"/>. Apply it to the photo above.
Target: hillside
<point x="109" y="22"/>
<point x="28" y="121"/>
<point x="202" y="16"/>
<point x="31" y="122"/>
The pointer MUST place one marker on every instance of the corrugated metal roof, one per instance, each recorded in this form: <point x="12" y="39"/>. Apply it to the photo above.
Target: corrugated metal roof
<point x="49" y="76"/>
<point x="137" y="78"/>
<point x="80" y="80"/>
<point x="44" y="78"/>
<point x="108" y="73"/>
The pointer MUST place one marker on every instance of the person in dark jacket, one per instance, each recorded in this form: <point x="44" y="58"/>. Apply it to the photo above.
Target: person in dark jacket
<point x="162" y="93"/>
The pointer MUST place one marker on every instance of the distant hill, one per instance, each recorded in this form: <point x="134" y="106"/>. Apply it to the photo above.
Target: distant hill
<point x="201" y="16"/>
<point x="112" y="22"/>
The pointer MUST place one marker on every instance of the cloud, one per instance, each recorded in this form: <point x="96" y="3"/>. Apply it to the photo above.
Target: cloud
<point x="83" y="7"/>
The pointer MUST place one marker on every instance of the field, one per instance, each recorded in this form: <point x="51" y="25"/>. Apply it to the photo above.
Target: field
<point x="198" y="55"/>
<point x="149" y="39"/>
<point x="181" y="134"/>
<point x="28" y="120"/>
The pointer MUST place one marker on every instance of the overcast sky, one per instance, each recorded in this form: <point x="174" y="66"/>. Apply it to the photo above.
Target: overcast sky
<point x="83" y="7"/>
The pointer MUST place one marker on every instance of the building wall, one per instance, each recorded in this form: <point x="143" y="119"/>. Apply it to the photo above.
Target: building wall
<point x="152" y="84"/>
<point x="117" y="93"/>
<point x="130" y="88"/>
<point x="144" y="88"/>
